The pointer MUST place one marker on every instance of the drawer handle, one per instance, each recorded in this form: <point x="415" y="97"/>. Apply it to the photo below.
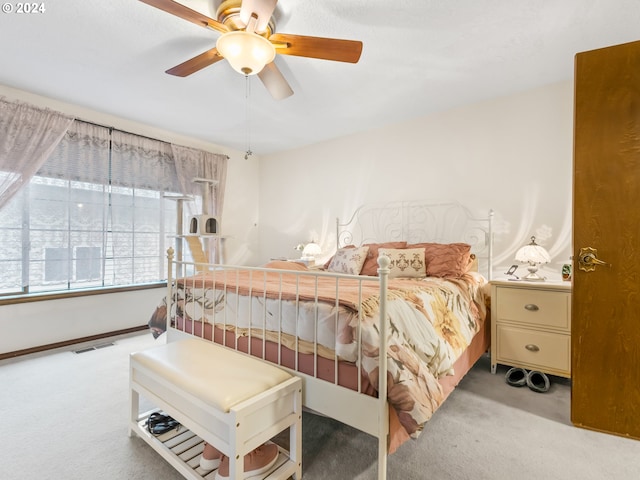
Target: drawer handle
<point x="532" y="307"/>
<point x="532" y="348"/>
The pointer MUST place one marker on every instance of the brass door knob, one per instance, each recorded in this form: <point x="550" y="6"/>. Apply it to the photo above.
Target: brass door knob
<point x="588" y="259"/>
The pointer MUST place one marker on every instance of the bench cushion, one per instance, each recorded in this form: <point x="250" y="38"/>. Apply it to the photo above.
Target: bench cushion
<point x="217" y="375"/>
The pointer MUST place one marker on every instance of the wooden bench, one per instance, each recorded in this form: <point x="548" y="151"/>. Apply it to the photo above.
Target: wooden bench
<point x="229" y="399"/>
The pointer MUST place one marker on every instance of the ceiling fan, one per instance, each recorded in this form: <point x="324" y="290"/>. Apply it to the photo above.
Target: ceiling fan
<point x="249" y="42"/>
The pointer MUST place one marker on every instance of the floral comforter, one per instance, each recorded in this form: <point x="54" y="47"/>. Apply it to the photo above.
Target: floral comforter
<point x="431" y="322"/>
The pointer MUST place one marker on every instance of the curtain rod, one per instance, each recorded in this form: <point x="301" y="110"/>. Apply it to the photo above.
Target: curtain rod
<point x="130" y="133"/>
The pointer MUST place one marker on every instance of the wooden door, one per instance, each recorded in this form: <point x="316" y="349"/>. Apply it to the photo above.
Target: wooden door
<point x="606" y="301"/>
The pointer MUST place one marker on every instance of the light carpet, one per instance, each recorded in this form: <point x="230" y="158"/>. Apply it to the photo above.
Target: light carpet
<point x="64" y="416"/>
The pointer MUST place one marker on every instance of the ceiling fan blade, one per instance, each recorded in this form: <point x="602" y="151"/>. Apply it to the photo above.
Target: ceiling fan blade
<point x="275" y="82"/>
<point x="179" y="10"/>
<point x="263" y="9"/>
<point x="196" y="63"/>
<point x="318" y="47"/>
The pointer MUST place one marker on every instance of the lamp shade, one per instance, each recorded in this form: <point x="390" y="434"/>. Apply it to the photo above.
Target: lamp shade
<point x="247" y="53"/>
<point x="311" y="250"/>
<point x="534" y="255"/>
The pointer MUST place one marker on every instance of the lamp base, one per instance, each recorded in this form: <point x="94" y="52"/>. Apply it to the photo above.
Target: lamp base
<point x="533" y="275"/>
<point x="533" y="278"/>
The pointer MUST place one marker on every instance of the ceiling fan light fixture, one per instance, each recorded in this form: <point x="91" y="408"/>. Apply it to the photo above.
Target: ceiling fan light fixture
<point x="247" y="53"/>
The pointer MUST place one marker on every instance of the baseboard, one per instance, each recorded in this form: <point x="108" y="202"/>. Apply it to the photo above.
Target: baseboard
<point x="66" y="343"/>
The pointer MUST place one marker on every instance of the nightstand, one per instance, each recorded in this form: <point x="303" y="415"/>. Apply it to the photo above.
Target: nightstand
<point x="531" y="326"/>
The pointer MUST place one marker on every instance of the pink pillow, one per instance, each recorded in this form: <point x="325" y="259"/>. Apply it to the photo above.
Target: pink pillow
<point x="445" y="259"/>
<point x="370" y="266"/>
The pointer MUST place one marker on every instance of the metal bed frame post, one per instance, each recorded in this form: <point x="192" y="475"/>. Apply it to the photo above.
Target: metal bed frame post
<point x="169" y="299"/>
<point x="490" y="246"/>
<point x="383" y="416"/>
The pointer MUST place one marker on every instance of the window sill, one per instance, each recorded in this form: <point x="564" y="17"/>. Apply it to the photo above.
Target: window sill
<point x="42" y="296"/>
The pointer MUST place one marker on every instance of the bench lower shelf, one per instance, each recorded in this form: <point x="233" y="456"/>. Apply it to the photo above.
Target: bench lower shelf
<point x="182" y="449"/>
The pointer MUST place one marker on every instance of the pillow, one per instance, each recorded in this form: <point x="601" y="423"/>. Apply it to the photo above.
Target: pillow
<point x="348" y="260"/>
<point x="445" y="259"/>
<point x="285" y="265"/>
<point x="370" y="266"/>
<point x="328" y="262"/>
<point x="405" y="262"/>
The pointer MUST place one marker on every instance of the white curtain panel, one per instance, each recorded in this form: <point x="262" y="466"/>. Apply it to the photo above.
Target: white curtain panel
<point x="28" y="135"/>
<point x="146" y="160"/>
<point x="191" y="163"/>
<point x="82" y="155"/>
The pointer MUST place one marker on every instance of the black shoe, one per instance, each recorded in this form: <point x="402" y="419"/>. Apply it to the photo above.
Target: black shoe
<point x="159" y="423"/>
<point x="538" y="381"/>
<point x="516" y="377"/>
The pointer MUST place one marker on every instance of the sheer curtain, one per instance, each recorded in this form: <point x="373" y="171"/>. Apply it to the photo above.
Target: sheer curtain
<point x="94" y="210"/>
<point x="82" y="155"/>
<point x="146" y="160"/>
<point x="28" y="135"/>
<point x="65" y="212"/>
<point x="142" y="171"/>
<point x="191" y="163"/>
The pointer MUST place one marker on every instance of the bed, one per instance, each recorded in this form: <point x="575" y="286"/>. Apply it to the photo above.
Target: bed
<point x="422" y="266"/>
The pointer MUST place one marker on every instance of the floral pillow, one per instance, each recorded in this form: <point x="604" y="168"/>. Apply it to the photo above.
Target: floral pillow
<point x="406" y="262"/>
<point x="348" y="260"/>
<point x="328" y="262"/>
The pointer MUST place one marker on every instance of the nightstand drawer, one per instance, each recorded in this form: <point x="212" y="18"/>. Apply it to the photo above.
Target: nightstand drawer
<point x="540" y="308"/>
<point x="549" y="351"/>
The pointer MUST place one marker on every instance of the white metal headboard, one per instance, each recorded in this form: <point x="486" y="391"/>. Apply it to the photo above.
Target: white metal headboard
<point x="420" y="221"/>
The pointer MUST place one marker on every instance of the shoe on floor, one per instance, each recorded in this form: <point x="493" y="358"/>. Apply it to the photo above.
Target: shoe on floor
<point x="159" y="423"/>
<point x="538" y="381"/>
<point x="256" y="462"/>
<point x="210" y="458"/>
<point x="516" y="377"/>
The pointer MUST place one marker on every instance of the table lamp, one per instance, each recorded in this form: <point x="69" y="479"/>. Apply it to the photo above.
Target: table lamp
<point x="534" y="255"/>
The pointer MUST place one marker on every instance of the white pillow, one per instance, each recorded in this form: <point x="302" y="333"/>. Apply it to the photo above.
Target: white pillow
<point x="405" y="262"/>
<point x="348" y="260"/>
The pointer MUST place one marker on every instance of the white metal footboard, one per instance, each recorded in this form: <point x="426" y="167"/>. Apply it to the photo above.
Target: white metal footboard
<point x="298" y="323"/>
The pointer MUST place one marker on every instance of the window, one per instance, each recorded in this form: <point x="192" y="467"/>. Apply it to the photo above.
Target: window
<point x="94" y="215"/>
<point x="86" y="264"/>
<point x="56" y="264"/>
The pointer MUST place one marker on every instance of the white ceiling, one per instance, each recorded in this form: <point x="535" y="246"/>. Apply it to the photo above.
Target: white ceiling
<point x="418" y="57"/>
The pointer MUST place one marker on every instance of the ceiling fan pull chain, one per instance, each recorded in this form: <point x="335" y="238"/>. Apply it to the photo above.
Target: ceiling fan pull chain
<point x="246" y="116"/>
